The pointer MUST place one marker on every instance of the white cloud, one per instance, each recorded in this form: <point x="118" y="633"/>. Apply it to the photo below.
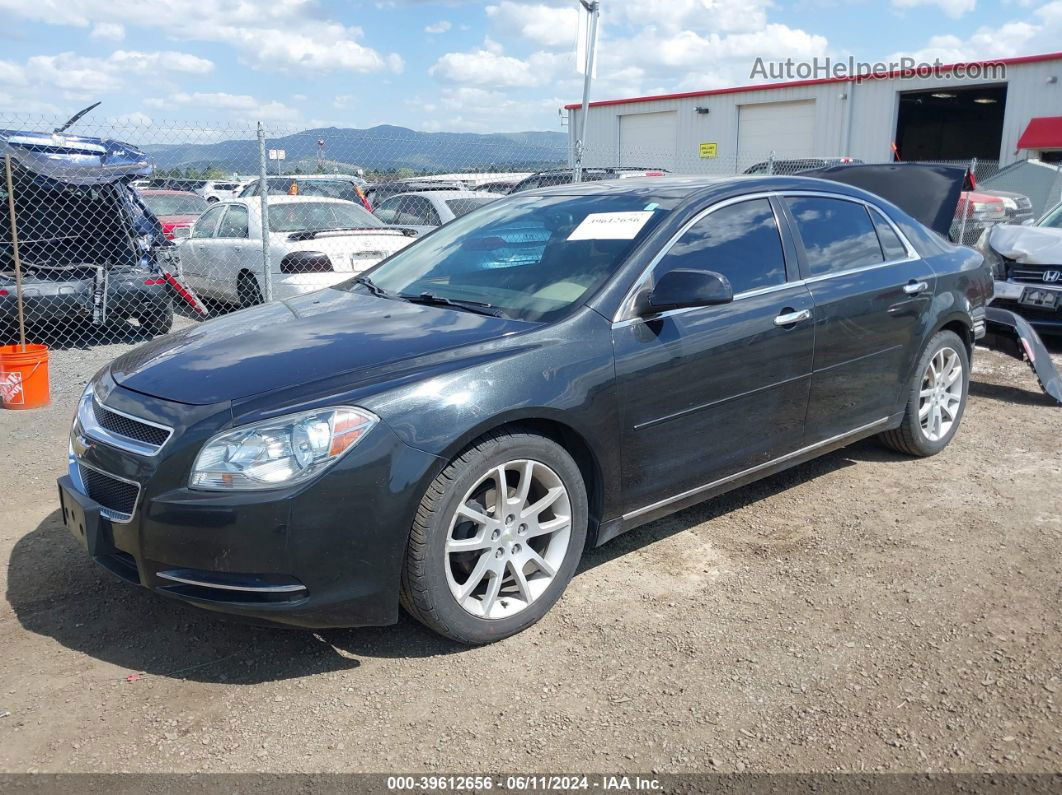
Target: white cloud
<point x="285" y="35"/>
<point x="484" y="68"/>
<point x="545" y="25"/>
<point x="108" y="31"/>
<point x="441" y="26"/>
<point x="1038" y="33"/>
<point x="71" y="76"/>
<point x="953" y="8"/>
<point x="236" y="105"/>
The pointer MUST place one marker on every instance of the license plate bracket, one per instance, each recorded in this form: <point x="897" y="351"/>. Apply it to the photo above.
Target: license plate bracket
<point x="1040" y="298"/>
<point x="81" y="515"/>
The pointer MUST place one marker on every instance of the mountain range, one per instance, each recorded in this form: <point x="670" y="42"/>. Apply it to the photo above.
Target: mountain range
<point x="381" y="148"/>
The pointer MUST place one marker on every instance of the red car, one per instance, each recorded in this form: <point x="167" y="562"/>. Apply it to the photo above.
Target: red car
<point x="177" y="210"/>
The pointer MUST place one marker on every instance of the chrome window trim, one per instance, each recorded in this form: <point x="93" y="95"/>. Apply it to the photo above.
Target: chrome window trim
<point x="752" y="470"/>
<point x="87" y="419"/>
<point x="623" y="316"/>
<point x="108" y="513"/>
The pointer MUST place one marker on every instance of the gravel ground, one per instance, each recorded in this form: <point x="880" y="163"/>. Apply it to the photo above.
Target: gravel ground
<point x="861" y="612"/>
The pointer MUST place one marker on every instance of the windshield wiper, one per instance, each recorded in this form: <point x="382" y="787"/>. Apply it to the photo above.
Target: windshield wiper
<point x="430" y="299"/>
<point x="377" y="290"/>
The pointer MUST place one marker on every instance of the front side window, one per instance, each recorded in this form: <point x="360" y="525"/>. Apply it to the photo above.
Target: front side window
<point x="235" y="222"/>
<point x="204" y="227"/>
<point x="741" y="241"/>
<point x="532" y="257"/>
<point x="837" y="234"/>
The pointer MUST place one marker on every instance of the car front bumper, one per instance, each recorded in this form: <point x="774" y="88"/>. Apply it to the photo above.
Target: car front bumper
<point x="326" y="554"/>
<point x="1008" y="295"/>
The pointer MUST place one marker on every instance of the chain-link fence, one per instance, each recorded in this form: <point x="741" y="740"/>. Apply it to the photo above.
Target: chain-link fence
<point x="109" y="241"/>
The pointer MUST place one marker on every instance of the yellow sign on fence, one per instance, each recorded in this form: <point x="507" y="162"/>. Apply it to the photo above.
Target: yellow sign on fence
<point x="709" y="149"/>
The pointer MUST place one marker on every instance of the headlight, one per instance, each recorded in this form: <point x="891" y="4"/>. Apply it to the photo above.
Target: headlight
<point x="279" y="452"/>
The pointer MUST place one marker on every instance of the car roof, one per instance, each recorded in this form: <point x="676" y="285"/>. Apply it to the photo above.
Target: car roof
<point x="283" y="198"/>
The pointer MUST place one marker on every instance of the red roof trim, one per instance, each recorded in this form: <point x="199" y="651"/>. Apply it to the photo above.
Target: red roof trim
<point x="1025" y="59"/>
<point x="1042" y="132"/>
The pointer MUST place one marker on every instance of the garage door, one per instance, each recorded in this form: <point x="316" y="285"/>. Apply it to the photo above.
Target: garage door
<point x="786" y="127"/>
<point x="648" y="140"/>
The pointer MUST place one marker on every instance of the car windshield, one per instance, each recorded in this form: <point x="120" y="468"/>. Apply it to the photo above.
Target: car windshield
<point x="1053" y="218"/>
<point x="461" y="207"/>
<point x="303" y="216"/>
<point x="531" y="257"/>
<point x="163" y="204"/>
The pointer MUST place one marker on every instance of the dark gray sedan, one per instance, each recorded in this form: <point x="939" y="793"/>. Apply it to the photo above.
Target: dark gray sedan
<point x="451" y="430"/>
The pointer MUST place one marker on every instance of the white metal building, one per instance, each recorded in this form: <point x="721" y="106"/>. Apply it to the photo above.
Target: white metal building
<point x="946" y="117"/>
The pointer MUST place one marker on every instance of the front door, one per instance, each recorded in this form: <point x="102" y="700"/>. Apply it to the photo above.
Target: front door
<point x="871" y="297"/>
<point x="711" y="391"/>
<point x="197" y="252"/>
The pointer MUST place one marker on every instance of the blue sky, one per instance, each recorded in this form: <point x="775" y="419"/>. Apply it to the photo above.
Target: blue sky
<point x="479" y="66"/>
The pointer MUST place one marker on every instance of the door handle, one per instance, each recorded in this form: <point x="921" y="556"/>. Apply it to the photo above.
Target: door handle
<point x="789" y="318"/>
<point x="914" y="288"/>
<point x="237" y="248"/>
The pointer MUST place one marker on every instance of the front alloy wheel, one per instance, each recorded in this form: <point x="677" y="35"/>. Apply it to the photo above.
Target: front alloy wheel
<point x="496" y="539"/>
<point x="507" y="539"/>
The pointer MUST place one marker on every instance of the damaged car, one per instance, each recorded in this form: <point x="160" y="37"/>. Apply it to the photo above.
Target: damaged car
<point x="88" y="247"/>
<point x="452" y="429"/>
<point x="1027" y="264"/>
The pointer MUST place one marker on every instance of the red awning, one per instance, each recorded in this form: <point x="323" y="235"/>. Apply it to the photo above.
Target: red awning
<point x="1044" y="132"/>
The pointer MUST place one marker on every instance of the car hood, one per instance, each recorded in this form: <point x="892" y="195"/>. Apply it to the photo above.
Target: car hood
<point x="1030" y="245"/>
<point x="297" y="342"/>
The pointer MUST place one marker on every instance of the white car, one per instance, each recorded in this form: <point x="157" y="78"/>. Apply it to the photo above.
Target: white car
<point x="314" y="243"/>
<point x="426" y="210"/>
<point x="218" y="190"/>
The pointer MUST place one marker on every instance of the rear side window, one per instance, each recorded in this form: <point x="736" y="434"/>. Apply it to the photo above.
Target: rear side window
<point x="235" y="223"/>
<point x="204" y="227"/>
<point x="740" y="241"/>
<point x="891" y="245"/>
<point x="838" y="235"/>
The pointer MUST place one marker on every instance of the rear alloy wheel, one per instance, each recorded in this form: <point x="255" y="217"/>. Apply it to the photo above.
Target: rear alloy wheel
<point x="936" y="400"/>
<point x="497" y="539"/>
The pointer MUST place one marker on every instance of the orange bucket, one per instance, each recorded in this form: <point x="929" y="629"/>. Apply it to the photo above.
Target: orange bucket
<point x="23" y="376"/>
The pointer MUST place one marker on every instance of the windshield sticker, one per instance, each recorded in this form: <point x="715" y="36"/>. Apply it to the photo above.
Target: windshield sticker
<point x="611" y="226"/>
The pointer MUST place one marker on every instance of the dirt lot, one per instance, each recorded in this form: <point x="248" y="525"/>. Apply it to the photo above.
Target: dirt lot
<point x="862" y="612"/>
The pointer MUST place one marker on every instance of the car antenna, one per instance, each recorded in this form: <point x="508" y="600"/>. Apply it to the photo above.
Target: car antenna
<point x="74" y="118"/>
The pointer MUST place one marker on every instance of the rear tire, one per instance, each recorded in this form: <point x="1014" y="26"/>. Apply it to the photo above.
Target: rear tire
<point x="936" y="399"/>
<point x="248" y="291"/>
<point x="480" y="567"/>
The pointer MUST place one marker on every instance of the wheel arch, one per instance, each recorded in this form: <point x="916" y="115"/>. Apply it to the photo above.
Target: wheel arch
<point x="553" y="427"/>
<point x="959" y="324"/>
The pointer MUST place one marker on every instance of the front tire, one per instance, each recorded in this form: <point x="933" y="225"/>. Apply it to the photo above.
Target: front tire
<point x="496" y="539"/>
<point x="936" y="399"/>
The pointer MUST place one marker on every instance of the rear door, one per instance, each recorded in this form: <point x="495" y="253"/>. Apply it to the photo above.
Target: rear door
<point x="198" y="252"/>
<point x="712" y="391"/>
<point x="233" y="251"/>
<point x="871" y="294"/>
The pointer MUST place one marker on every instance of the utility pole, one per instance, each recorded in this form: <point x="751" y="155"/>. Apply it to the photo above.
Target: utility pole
<point x="593" y="10"/>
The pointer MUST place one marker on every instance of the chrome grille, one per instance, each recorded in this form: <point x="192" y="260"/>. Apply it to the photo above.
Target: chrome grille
<point x="1033" y="274"/>
<point x="127" y="426"/>
<point x="117" y="498"/>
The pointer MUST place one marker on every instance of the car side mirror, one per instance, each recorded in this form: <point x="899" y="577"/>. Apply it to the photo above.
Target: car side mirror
<point x="685" y="287"/>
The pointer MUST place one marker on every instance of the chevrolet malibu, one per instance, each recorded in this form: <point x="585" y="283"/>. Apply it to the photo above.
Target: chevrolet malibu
<point x="450" y="430"/>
